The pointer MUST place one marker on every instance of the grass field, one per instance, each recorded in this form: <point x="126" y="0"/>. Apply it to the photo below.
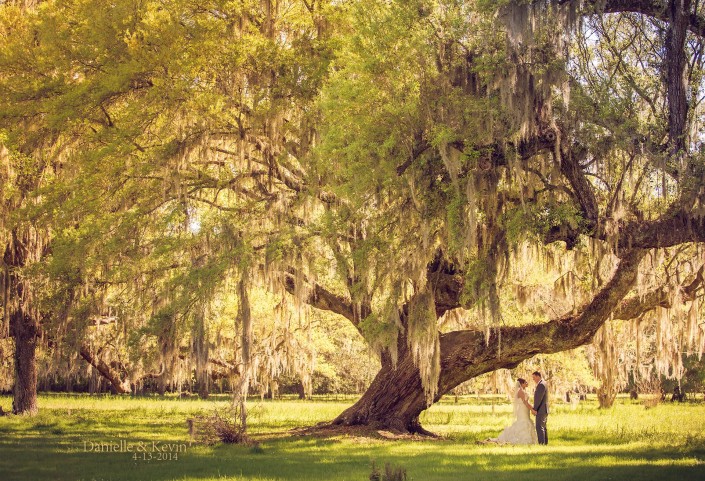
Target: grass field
<point x="77" y="437"/>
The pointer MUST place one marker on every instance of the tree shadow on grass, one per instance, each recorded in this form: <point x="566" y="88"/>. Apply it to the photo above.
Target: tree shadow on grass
<point x="316" y="458"/>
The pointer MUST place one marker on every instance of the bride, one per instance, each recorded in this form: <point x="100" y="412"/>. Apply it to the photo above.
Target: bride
<point x="523" y="430"/>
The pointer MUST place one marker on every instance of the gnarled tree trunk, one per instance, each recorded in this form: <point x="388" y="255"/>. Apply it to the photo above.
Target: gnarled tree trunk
<point x="393" y="401"/>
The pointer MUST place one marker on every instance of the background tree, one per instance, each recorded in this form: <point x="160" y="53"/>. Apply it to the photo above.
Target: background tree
<point x="157" y="146"/>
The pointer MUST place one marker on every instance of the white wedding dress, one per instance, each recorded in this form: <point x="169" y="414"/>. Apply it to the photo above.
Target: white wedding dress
<point x="523" y="431"/>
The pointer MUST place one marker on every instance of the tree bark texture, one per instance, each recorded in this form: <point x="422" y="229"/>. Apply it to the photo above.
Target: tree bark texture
<point x="675" y="64"/>
<point x="24" y="329"/>
<point x="24" y="324"/>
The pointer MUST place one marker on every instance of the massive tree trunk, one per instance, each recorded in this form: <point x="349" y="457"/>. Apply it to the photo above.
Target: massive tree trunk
<point x="396" y="397"/>
<point x="393" y="401"/>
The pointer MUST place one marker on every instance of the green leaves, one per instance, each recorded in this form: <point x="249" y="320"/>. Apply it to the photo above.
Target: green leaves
<point x="539" y="219"/>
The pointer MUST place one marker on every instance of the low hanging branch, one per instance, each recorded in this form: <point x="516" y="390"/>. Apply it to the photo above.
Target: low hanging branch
<point x="122" y="386"/>
<point x="111" y="375"/>
<point x="466" y="352"/>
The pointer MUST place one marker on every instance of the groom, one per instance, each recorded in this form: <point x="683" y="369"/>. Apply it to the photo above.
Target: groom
<point x="540" y="409"/>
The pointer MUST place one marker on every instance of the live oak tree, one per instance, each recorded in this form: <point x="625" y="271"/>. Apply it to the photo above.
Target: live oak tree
<point x="22" y="243"/>
<point x="160" y="153"/>
<point x="454" y="145"/>
<point x="397" y="163"/>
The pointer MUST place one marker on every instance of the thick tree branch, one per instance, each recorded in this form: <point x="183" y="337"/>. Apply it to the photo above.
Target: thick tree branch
<point x="673" y="229"/>
<point x="121" y="386"/>
<point x="636" y="306"/>
<point x="657" y="9"/>
<point x="467" y="354"/>
<point x="319" y="297"/>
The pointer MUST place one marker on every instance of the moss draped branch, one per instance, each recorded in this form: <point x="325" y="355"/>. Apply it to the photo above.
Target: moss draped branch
<point x="657" y="9"/>
<point x="120" y="385"/>
<point x="319" y="297"/>
<point x="467" y="354"/>
<point x="634" y="307"/>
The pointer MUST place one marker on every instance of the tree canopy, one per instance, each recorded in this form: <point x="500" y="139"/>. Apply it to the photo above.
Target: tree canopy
<point x="467" y="183"/>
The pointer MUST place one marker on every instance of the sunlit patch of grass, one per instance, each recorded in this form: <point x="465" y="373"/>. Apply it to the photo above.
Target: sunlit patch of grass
<point x="626" y="442"/>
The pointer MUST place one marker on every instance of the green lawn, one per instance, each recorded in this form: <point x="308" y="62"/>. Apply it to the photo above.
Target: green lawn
<point x="628" y="442"/>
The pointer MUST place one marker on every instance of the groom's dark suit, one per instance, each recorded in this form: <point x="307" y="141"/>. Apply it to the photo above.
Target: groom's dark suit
<point x="541" y="408"/>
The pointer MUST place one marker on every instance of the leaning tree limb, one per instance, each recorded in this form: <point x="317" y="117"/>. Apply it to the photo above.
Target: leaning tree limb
<point x="512" y="345"/>
<point x="318" y="296"/>
<point x="120" y="385"/>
